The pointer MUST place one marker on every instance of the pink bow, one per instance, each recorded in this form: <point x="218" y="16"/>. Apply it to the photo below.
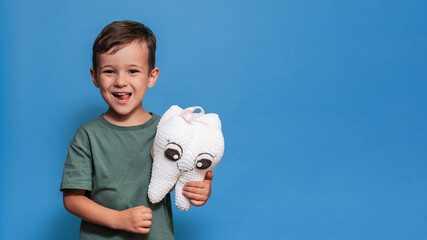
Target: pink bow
<point x="189" y="115"/>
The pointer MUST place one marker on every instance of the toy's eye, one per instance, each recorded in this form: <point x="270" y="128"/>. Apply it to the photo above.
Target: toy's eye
<point x="204" y="160"/>
<point x="203" y="163"/>
<point x="173" y="151"/>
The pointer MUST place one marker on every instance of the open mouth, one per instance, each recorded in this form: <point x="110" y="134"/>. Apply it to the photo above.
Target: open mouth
<point x="122" y="97"/>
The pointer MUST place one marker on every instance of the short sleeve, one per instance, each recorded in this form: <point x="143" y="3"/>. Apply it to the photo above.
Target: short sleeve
<point x="78" y="166"/>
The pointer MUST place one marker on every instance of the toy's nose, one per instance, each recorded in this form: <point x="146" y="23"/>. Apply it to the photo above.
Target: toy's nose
<point x="184" y="166"/>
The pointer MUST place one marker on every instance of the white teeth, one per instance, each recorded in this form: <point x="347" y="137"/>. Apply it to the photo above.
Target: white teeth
<point x="121" y="94"/>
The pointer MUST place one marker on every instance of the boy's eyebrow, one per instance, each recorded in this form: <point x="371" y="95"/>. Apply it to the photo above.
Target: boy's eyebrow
<point x="101" y="67"/>
<point x="135" y="65"/>
<point x="130" y="65"/>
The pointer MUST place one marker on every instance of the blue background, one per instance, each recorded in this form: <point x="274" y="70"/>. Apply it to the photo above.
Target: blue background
<point x="323" y="105"/>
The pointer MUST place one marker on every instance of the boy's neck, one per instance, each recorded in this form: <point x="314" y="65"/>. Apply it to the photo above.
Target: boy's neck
<point x="134" y="119"/>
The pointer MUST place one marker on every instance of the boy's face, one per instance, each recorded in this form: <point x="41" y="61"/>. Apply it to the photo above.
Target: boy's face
<point x="123" y="78"/>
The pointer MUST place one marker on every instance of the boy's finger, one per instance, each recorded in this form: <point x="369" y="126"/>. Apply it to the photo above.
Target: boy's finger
<point x="197" y="203"/>
<point x="195" y="184"/>
<point x="209" y="175"/>
<point x="146" y="224"/>
<point x="143" y="230"/>
<point x="200" y="191"/>
<point x="147" y="216"/>
<point x="194" y="196"/>
<point x="144" y="208"/>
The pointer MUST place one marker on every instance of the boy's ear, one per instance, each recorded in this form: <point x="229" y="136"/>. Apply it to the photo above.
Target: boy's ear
<point x="94" y="79"/>
<point x="152" y="79"/>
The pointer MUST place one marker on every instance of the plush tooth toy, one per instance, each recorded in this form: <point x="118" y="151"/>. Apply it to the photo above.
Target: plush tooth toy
<point x="186" y="146"/>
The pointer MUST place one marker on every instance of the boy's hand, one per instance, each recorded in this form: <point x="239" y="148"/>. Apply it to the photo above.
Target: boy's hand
<point x="199" y="192"/>
<point x="136" y="220"/>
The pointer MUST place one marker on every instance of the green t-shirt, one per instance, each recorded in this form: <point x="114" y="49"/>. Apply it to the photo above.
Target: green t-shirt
<point x="114" y="164"/>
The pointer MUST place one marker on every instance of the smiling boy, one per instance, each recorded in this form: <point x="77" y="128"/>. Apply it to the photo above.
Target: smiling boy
<point x="108" y="167"/>
<point x="123" y="79"/>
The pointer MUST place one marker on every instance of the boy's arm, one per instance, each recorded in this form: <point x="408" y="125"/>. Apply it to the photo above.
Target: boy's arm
<point x="136" y="220"/>
<point x="199" y="192"/>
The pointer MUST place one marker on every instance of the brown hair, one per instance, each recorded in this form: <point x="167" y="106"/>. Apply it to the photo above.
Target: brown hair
<point x="117" y="34"/>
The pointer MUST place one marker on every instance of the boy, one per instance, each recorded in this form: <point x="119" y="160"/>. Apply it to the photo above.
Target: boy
<point x="108" y="168"/>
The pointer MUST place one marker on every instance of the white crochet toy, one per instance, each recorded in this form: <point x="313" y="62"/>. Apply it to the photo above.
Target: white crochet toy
<point x="186" y="146"/>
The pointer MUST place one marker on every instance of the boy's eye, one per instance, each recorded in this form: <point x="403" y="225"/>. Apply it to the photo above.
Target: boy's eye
<point x="108" y="71"/>
<point x="133" y="71"/>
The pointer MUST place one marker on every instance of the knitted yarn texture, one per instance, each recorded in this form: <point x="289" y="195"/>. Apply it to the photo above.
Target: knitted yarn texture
<point x="185" y="147"/>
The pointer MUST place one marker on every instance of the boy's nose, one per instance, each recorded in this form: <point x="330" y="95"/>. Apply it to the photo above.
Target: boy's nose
<point x="120" y="82"/>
